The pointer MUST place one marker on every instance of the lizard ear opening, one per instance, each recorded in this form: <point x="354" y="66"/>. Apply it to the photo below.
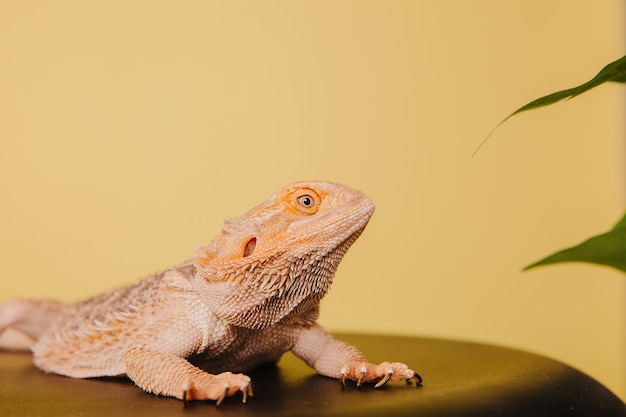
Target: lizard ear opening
<point x="249" y="248"/>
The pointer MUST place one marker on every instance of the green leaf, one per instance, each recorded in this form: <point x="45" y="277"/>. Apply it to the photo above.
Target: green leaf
<point x="606" y="249"/>
<point x="615" y="71"/>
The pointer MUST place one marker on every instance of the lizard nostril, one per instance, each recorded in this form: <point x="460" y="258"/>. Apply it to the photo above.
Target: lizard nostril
<point x="249" y="248"/>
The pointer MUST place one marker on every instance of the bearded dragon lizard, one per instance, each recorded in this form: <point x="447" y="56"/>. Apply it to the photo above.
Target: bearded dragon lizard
<point x="249" y="296"/>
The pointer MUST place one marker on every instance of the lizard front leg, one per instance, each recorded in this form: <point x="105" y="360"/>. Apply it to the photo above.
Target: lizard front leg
<point x="155" y="361"/>
<point x="340" y="360"/>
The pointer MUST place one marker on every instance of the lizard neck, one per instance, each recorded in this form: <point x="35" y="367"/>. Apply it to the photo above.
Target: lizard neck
<point x="287" y="288"/>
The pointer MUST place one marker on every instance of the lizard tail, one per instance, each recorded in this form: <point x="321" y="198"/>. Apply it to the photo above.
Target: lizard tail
<point x="22" y="321"/>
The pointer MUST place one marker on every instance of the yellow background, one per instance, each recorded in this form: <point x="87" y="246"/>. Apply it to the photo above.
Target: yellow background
<point x="130" y="129"/>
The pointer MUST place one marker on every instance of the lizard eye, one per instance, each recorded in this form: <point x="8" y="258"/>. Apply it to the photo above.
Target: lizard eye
<point x="306" y="201"/>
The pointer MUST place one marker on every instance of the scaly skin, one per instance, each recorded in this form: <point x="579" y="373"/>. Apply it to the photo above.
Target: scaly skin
<point x="249" y="296"/>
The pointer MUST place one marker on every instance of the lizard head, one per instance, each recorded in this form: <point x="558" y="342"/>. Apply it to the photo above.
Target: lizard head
<point x="301" y="219"/>
<point x="290" y="244"/>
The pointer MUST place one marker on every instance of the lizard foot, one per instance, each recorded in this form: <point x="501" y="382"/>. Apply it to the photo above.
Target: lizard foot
<point x="379" y="374"/>
<point x="218" y="388"/>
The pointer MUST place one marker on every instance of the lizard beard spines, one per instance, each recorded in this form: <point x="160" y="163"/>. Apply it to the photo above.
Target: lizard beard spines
<point x="203" y="255"/>
<point x="291" y="286"/>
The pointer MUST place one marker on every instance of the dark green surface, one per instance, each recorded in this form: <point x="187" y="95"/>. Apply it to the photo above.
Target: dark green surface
<point x="460" y="379"/>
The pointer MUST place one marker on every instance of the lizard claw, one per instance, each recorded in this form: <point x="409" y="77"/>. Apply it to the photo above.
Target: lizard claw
<point x="359" y="380"/>
<point x="185" y="391"/>
<point x="417" y="377"/>
<point x="247" y="392"/>
<point x="224" y="394"/>
<point x="385" y="379"/>
<point x="342" y="377"/>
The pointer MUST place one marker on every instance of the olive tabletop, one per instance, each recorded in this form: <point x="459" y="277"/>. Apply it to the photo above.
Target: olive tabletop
<point x="460" y="379"/>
